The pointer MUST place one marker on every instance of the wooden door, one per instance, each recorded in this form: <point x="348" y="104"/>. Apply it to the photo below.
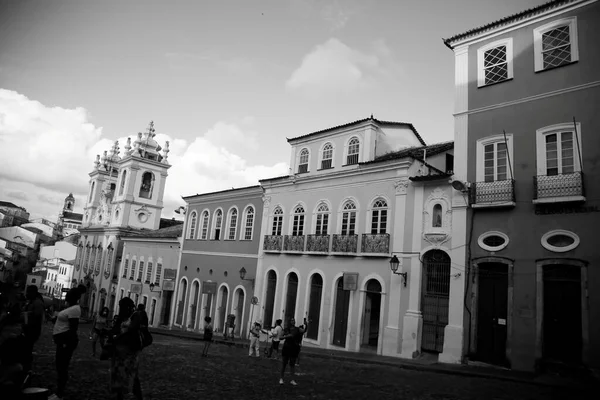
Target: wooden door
<point x="152" y="310"/>
<point x="492" y="311"/>
<point x="239" y="313"/>
<point x="342" y="305"/>
<point x="270" y="298"/>
<point x="435" y="299"/>
<point x="314" y="307"/>
<point x="290" y="302"/>
<point x="223" y="308"/>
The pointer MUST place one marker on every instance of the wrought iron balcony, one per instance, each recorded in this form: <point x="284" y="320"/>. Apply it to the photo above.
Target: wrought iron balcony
<point x="493" y="193"/>
<point x="317" y="243"/>
<point x="345" y="243"/>
<point x="566" y="186"/>
<point x="293" y="243"/>
<point x="375" y="243"/>
<point x="273" y="243"/>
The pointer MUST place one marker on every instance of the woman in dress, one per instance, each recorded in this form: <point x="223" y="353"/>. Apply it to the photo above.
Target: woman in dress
<point x="127" y="346"/>
<point x="99" y="329"/>
<point x="208" y="335"/>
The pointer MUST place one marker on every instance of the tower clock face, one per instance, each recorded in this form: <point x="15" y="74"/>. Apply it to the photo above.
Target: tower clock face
<point x="142" y="217"/>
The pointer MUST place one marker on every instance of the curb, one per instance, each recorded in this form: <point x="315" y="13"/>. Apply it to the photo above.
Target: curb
<point x="396" y="364"/>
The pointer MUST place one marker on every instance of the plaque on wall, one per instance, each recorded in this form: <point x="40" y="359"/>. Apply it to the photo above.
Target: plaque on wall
<point x="168" y="285"/>
<point x="209" y="287"/>
<point x="136" y="288"/>
<point x="350" y="280"/>
<point x="170" y="273"/>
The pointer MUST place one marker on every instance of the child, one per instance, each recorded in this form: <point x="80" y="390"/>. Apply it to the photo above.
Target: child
<point x="254" y="340"/>
<point x="208" y="334"/>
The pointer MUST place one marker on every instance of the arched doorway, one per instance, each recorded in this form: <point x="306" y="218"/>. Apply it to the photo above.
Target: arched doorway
<point x="435" y="298"/>
<point x="314" y="306"/>
<point x="193" y="309"/>
<point x="270" y="298"/>
<point x="371" y="314"/>
<point x="239" y="311"/>
<point x="224" y="296"/>
<point x="342" y="305"/>
<point x="290" y="298"/>
<point x="181" y="303"/>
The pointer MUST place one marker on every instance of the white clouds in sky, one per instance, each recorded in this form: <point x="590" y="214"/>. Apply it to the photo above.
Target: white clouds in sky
<point x="334" y="67"/>
<point x="47" y="152"/>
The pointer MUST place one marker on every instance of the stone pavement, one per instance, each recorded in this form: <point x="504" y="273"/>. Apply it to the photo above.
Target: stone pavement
<point x="427" y="364"/>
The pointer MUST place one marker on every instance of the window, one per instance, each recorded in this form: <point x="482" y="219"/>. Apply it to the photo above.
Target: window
<point x="140" y="271"/>
<point x="303" y="162"/>
<point x="495" y="62"/>
<point x="555" y="44"/>
<point x="298" y="221"/>
<point x="158" y="273"/>
<point x="353" y="148"/>
<point x="493" y="154"/>
<point x="204" y="233"/>
<point x="132" y="276"/>
<point x="109" y="260"/>
<point x="192" y="229"/>
<point x="147" y="185"/>
<point x="560" y="241"/>
<point x="436" y="221"/>
<point x="91" y="192"/>
<point x="558" y="150"/>
<point x="326" y="161"/>
<point x="493" y="241"/>
<point x="348" y="218"/>
<point x="122" y="186"/>
<point x="232" y="224"/>
<point x="125" y="267"/>
<point x="379" y="217"/>
<point x="277" y="221"/>
<point x="322" y="219"/>
<point x="249" y="223"/>
<point x="149" y="272"/>
<point x="218" y="222"/>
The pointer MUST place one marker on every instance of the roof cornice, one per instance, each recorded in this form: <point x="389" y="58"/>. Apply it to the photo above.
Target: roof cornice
<point x="224" y="194"/>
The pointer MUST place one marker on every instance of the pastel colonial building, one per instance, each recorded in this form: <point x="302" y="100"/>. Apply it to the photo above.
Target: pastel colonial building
<point x="330" y="229"/>
<point x="527" y="144"/>
<point x="222" y="236"/>
<point x="68" y="220"/>
<point x="125" y="197"/>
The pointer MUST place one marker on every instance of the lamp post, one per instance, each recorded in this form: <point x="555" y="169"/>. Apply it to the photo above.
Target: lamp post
<point x="243" y="277"/>
<point x="394" y="264"/>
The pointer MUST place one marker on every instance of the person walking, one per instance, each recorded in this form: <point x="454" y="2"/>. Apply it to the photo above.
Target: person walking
<point x="208" y="335"/>
<point x="66" y="340"/>
<point x="276" y="334"/>
<point x="254" y="340"/>
<point x="33" y="319"/>
<point x="291" y="348"/>
<point x="99" y="332"/>
<point x="124" y="377"/>
<point x="300" y="343"/>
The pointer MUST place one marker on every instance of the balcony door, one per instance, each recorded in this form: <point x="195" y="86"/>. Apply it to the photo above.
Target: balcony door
<point x="270" y="298"/>
<point x="342" y="306"/>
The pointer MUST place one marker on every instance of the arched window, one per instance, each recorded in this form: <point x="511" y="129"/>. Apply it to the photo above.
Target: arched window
<point x="249" y="223"/>
<point x="204" y="233"/>
<point x="353" y="149"/>
<point x="92" y="191"/>
<point x="147" y="185"/>
<point x="218" y="222"/>
<point x="437" y="216"/>
<point x="277" y="221"/>
<point x="327" y="158"/>
<point x="132" y="274"/>
<point x="349" y="218"/>
<point x="99" y="253"/>
<point x="298" y="223"/>
<point x="303" y="162"/>
<point x="122" y="187"/>
<point x="125" y="266"/>
<point x="379" y="216"/>
<point x="322" y="219"/>
<point x="232" y="224"/>
<point x="192" y="228"/>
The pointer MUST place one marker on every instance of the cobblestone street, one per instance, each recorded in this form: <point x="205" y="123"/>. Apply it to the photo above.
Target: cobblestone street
<point x="172" y="369"/>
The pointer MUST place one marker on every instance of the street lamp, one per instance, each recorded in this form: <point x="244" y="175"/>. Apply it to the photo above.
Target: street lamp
<point x="243" y="276"/>
<point x="152" y="286"/>
<point x="394" y="263"/>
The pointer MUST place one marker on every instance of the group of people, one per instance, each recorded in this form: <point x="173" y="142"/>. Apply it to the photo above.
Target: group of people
<point x="21" y="327"/>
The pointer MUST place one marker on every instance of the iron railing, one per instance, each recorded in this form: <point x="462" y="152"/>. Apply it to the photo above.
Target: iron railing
<point x="317" y="243"/>
<point x="273" y="243"/>
<point x="345" y="243"/>
<point x="293" y="243"/>
<point x="302" y="168"/>
<point x="562" y="185"/>
<point x="493" y="192"/>
<point x="375" y="243"/>
<point x="352" y="159"/>
<point x="326" y="164"/>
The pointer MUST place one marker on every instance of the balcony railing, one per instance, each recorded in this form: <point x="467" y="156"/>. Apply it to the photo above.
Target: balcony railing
<point x="273" y="243"/>
<point x="302" y="168"/>
<point x="293" y="243"/>
<point x="352" y="159"/>
<point x="345" y="244"/>
<point x="326" y="164"/>
<point x="563" y="185"/>
<point x="317" y="243"/>
<point x="492" y="193"/>
<point x="375" y="243"/>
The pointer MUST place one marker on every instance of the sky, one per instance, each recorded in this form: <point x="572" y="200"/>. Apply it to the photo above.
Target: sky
<point x="226" y="82"/>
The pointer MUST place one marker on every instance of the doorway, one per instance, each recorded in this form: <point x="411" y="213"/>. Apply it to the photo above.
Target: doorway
<point x="290" y="302"/>
<point x="314" y="306"/>
<point x="239" y="312"/>
<point x="223" y="309"/>
<point x="193" y="309"/>
<point x="342" y="305"/>
<point x="166" y="307"/>
<point x="270" y="298"/>
<point x="181" y="304"/>
<point x="152" y="310"/>
<point x="371" y="314"/>
<point x="492" y="313"/>
<point x="435" y="299"/>
<point x="562" y="327"/>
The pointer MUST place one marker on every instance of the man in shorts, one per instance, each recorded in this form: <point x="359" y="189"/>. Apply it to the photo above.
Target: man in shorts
<point x="291" y="348"/>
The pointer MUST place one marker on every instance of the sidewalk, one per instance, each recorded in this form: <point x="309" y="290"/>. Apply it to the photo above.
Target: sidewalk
<point x="422" y="364"/>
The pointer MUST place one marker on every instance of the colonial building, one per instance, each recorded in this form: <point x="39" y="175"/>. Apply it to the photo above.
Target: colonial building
<point x="148" y="271"/>
<point x="527" y="145"/>
<point x="125" y="197"/>
<point x="218" y="261"/>
<point x="57" y="262"/>
<point x="360" y="193"/>
<point x="12" y="215"/>
<point x="68" y="220"/>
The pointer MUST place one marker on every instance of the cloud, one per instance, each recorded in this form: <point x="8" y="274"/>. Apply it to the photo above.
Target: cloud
<point x="47" y="152"/>
<point x="333" y="67"/>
